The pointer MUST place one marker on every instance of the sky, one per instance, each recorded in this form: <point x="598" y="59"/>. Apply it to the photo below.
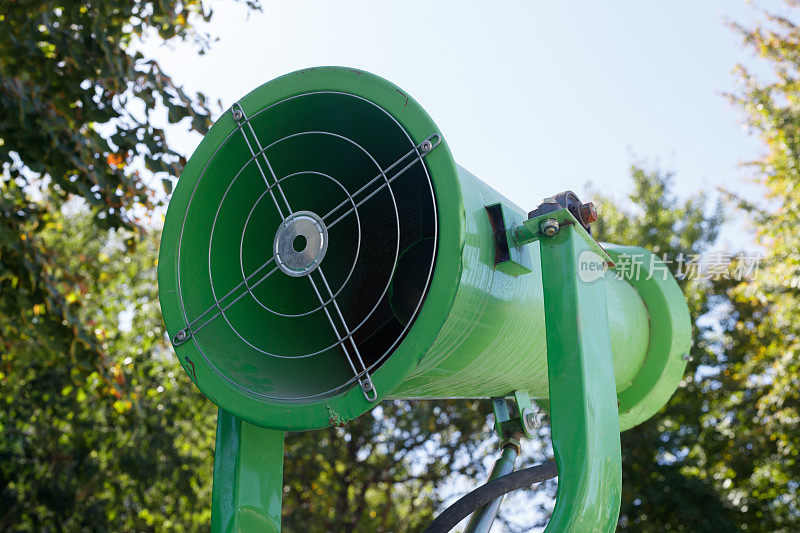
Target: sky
<point x="534" y="97"/>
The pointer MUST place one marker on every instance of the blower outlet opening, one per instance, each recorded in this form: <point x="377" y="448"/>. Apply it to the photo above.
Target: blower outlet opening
<point x="342" y="192"/>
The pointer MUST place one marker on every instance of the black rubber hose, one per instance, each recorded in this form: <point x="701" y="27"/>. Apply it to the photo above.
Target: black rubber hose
<point x="484" y="494"/>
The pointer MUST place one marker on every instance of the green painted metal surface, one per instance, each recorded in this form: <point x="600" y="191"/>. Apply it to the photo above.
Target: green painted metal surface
<point x="248" y="477"/>
<point x="533" y="324"/>
<point x="669" y="340"/>
<point x="232" y="375"/>
<point x="583" y="410"/>
<point x="476" y="321"/>
<point x="497" y="320"/>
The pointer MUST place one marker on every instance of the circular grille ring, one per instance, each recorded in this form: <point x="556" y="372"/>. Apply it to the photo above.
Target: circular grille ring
<point x="323" y="304"/>
<point x="358" y="249"/>
<point x="396" y="207"/>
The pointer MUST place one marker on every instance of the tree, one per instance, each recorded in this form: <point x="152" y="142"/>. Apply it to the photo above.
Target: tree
<point x="753" y="439"/>
<point x="728" y="442"/>
<point x="664" y="488"/>
<point x="78" y="454"/>
<point x="85" y="443"/>
<point x="383" y="471"/>
<point x="733" y="454"/>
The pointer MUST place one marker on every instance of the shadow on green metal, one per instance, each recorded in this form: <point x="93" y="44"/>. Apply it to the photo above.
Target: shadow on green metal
<point x="248" y="477"/>
<point x="583" y="401"/>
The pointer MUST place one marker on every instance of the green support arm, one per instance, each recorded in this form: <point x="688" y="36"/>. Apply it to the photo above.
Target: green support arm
<point x="248" y="477"/>
<point x="248" y="468"/>
<point x="583" y="402"/>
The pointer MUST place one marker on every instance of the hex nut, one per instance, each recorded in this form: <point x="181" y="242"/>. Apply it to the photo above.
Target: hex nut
<point x="549" y="227"/>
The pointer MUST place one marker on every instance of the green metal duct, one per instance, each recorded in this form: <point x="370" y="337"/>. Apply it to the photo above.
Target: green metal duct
<point x="492" y="340"/>
<point x="322" y="252"/>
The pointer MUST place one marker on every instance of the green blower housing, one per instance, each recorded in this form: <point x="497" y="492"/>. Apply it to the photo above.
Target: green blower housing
<point x="322" y="252"/>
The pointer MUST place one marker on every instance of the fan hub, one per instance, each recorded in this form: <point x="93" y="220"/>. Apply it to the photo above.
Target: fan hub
<point x="300" y="243"/>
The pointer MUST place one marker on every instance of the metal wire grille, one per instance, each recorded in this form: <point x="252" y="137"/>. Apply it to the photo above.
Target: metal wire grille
<point x="355" y="319"/>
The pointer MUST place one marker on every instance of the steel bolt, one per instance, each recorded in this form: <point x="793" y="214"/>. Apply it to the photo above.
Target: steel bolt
<point x="237" y="114"/>
<point x="425" y="146"/>
<point x="549" y="227"/>
<point x="180" y="336"/>
<point x="531" y="420"/>
<point x="588" y="213"/>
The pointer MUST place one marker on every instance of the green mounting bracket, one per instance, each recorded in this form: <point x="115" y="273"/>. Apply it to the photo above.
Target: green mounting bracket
<point x="248" y="477"/>
<point x="583" y="401"/>
<point x="524" y="422"/>
<point x="509" y="257"/>
<point x="538" y="228"/>
<point x="504" y="427"/>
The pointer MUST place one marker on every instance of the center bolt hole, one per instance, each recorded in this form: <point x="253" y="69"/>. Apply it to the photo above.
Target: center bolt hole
<point x="299" y="243"/>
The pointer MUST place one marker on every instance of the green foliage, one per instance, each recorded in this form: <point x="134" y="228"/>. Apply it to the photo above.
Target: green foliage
<point x="77" y="99"/>
<point x="664" y="486"/>
<point x="98" y="428"/>
<point x="731" y="435"/>
<point x="723" y="455"/>
<point x="754" y="448"/>
<point x="101" y="430"/>
<point x="128" y="449"/>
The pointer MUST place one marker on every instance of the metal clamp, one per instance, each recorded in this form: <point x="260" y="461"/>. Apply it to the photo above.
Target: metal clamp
<point x="368" y="388"/>
<point x="237" y="112"/>
<point x="523" y="423"/>
<point x="182" y="336"/>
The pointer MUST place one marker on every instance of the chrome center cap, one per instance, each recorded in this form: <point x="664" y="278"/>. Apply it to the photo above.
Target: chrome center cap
<point x="300" y="243"/>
